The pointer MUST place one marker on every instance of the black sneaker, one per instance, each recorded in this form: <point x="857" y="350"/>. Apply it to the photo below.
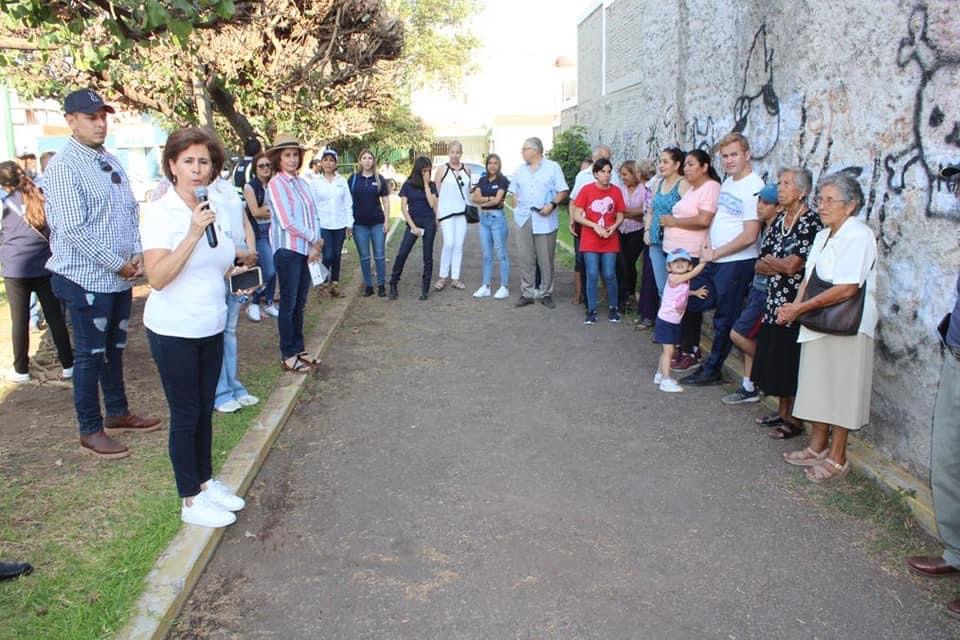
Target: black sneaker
<point x="424" y="295"/>
<point x="367" y="292"/>
<point x="591" y="317"/>
<point x="381" y="291"/>
<point x="741" y="396"/>
<point x="393" y="292"/>
<point x="613" y="315"/>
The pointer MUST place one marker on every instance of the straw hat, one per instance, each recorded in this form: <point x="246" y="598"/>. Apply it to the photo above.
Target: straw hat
<point x="285" y="141"/>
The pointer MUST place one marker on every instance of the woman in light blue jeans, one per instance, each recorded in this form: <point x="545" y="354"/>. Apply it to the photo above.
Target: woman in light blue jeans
<point x="371" y="214"/>
<point x="488" y="194"/>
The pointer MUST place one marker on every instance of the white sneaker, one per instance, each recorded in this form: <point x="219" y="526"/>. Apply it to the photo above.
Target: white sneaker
<point x="19" y="378"/>
<point x="248" y="400"/>
<point x="222" y="496"/>
<point x="657" y="378"/>
<point x="67" y="373"/>
<point x="670" y="386"/>
<point x="271" y="310"/>
<point x="230" y="406"/>
<point x="253" y="312"/>
<point x="482" y="292"/>
<point x="205" y="512"/>
<point x="502" y="293"/>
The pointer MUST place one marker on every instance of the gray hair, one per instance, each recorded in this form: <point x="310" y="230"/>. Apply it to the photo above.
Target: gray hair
<point x="802" y="179"/>
<point x="536" y="143"/>
<point x="848" y="187"/>
<point x="646" y="168"/>
<point x="602" y="151"/>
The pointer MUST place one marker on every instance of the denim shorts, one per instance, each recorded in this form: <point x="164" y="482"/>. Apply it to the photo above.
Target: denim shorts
<point x="666" y="332"/>
<point x="748" y="322"/>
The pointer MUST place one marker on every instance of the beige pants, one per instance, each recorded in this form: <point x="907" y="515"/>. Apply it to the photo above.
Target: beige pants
<point x="535" y="250"/>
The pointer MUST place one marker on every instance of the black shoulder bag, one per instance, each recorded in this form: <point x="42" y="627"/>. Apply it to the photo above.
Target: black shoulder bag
<point x="841" y="319"/>
<point x="471" y="212"/>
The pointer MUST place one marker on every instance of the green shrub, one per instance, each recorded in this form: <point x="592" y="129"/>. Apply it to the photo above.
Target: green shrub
<point x="570" y="147"/>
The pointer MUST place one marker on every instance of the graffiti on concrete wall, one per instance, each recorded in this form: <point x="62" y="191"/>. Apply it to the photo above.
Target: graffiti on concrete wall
<point x="756" y="112"/>
<point x="936" y="118"/>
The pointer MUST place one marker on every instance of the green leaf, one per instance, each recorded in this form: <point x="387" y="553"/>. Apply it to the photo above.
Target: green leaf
<point x="225" y="9"/>
<point x="181" y="30"/>
<point x="156" y="15"/>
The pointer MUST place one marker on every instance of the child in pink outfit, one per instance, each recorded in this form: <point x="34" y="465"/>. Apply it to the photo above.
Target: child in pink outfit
<point x="666" y="331"/>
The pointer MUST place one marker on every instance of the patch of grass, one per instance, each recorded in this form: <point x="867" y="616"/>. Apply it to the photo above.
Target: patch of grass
<point x="94" y="531"/>
<point x="563" y="258"/>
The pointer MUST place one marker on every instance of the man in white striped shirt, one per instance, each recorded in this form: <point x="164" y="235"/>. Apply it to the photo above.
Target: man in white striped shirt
<point x="95" y="240"/>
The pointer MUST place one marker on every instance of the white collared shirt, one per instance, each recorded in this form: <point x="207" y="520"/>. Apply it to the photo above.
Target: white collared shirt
<point x="334" y="202"/>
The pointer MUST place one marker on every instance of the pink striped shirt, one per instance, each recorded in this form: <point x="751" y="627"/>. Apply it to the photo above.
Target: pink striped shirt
<point x="294" y="213"/>
<point x="640" y="198"/>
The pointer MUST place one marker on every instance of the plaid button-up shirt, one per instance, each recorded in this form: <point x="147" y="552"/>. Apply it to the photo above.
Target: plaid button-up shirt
<point x="94" y="221"/>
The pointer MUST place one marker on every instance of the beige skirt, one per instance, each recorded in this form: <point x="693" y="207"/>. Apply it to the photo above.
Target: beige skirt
<point x="835" y="381"/>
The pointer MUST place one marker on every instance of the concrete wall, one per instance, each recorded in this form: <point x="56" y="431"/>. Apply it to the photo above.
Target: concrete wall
<point x="867" y="86"/>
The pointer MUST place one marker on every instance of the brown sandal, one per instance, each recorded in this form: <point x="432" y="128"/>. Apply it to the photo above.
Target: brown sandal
<point x="309" y="360"/>
<point x="805" y="457"/>
<point x="826" y="471"/>
<point x="298" y="366"/>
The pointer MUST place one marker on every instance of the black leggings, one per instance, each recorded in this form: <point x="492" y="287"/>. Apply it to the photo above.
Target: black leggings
<point x="18" y="297"/>
<point x="631" y="248"/>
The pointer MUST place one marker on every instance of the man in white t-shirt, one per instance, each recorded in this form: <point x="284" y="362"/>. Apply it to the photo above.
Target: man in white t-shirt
<point x="731" y="249"/>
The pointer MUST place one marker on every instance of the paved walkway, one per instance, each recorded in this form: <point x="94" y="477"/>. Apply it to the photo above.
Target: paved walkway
<point x="465" y="469"/>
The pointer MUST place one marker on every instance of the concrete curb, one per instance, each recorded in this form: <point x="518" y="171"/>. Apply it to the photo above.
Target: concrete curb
<point x="177" y="570"/>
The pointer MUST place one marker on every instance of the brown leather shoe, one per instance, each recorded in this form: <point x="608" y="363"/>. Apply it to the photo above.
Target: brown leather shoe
<point x="130" y="423"/>
<point x="932" y="567"/>
<point x="953" y="609"/>
<point x="103" y="446"/>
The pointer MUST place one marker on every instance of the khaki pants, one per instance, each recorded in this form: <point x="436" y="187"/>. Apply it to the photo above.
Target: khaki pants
<point x="535" y="250"/>
<point x="945" y="463"/>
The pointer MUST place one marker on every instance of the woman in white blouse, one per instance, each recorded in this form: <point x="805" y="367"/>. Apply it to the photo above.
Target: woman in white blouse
<point x="453" y="185"/>
<point x="836" y="371"/>
<point x="331" y="193"/>
<point x="185" y="316"/>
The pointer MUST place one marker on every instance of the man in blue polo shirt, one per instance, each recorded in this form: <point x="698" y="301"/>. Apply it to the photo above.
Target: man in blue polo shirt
<point x="95" y="240"/>
<point x="538" y="188"/>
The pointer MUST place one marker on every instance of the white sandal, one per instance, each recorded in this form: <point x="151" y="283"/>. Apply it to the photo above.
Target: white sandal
<point x="805" y="457"/>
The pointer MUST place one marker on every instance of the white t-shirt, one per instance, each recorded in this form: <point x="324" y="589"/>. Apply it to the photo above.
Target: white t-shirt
<point x="194" y="304"/>
<point x="849" y="257"/>
<point x="737" y="204"/>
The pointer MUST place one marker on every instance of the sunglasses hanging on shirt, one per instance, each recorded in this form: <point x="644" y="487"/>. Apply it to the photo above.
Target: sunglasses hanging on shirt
<point x="114" y="176"/>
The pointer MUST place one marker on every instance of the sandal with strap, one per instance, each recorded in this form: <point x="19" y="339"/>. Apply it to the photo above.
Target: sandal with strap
<point x="805" y="457"/>
<point x="771" y="420"/>
<point x="786" y="431"/>
<point x="827" y="470"/>
<point x="309" y="360"/>
<point x="298" y="366"/>
<point x="456" y="284"/>
<point x="441" y="283"/>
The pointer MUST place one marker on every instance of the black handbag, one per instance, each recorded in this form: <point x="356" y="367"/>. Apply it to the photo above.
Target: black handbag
<point x="471" y="212"/>
<point x="841" y="319"/>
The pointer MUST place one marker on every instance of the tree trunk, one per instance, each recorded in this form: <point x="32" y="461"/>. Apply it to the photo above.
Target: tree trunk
<point x="203" y="106"/>
<point x="225" y="104"/>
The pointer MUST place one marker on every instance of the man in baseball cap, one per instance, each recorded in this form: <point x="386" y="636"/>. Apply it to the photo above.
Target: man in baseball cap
<point x="85" y="101"/>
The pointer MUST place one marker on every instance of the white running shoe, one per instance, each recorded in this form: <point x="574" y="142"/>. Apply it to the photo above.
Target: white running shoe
<point x="657" y="378"/>
<point x="67" y="373"/>
<point x="206" y="513"/>
<point x="502" y="293"/>
<point x="482" y="292"/>
<point x="271" y="310"/>
<point x="670" y="386"/>
<point x="253" y="312"/>
<point x="223" y="497"/>
<point x="230" y="406"/>
<point x="248" y="400"/>
<point x="19" y="378"/>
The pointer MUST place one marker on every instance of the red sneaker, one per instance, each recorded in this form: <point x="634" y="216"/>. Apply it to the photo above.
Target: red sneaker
<point x="686" y="362"/>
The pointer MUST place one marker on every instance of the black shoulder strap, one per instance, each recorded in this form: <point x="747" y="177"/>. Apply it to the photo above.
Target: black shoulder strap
<point x="444" y="176"/>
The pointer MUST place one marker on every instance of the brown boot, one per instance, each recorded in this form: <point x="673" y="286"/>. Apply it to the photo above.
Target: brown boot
<point x="102" y="446"/>
<point x="335" y="290"/>
<point x="130" y="424"/>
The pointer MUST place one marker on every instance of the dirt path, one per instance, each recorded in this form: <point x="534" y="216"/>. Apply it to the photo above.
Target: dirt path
<point x="465" y="469"/>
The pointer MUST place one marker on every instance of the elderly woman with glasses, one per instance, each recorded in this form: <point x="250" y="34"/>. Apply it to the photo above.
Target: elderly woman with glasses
<point x="836" y="371"/>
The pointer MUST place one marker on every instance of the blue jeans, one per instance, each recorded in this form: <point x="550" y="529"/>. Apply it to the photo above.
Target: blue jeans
<point x="228" y="386"/>
<point x="294" y="278"/>
<point x="593" y="262"/>
<point x="363" y="236"/>
<point x="659" y="261"/>
<point x="727" y="284"/>
<point x="99" y="337"/>
<point x="188" y="371"/>
<point x="332" y="250"/>
<point x="493" y="239"/>
<point x="265" y="255"/>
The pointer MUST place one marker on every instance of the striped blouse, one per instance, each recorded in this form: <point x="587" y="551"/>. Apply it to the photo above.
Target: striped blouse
<point x="294" y="216"/>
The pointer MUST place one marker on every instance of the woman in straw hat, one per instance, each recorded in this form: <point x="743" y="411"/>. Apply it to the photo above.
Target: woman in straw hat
<point x="295" y="236"/>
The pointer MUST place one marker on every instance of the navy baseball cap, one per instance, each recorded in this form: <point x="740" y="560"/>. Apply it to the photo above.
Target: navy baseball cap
<point x="85" y="101"/>
<point x="768" y="194"/>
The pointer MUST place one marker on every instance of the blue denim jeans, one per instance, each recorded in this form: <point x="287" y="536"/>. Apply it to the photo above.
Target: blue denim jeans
<point x="265" y="255"/>
<point x="593" y="263"/>
<point x="658" y="259"/>
<point x="493" y="240"/>
<point x="228" y="386"/>
<point x="188" y="371"/>
<point x="363" y="236"/>
<point x="727" y="284"/>
<point x="99" y="337"/>
<point x="333" y="240"/>
<point x="294" y="278"/>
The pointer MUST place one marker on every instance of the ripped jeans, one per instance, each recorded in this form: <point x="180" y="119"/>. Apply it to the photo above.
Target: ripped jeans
<point x="99" y="337"/>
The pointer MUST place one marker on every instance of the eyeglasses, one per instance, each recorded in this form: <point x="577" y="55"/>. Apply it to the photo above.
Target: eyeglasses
<point x="114" y="176"/>
<point x="829" y="202"/>
<point x="265" y="165"/>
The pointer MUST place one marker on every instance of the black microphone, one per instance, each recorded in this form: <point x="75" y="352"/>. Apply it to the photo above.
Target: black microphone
<point x="201" y="194"/>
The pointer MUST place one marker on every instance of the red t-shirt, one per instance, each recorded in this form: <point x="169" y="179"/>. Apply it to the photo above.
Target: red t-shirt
<point x="600" y="206"/>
